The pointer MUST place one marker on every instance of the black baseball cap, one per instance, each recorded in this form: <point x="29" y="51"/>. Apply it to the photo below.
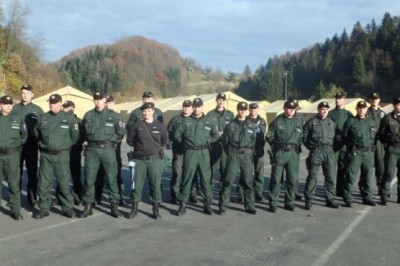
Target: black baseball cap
<point x="109" y="98"/>
<point x="374" y="96"/>
<point x="323" y="105"/>
<point x="55" y="98"/>
<point x="6" y="100"/>
<point x="242" y="106"/>
<point x="291" y="104"/>
<point x="362" y="104"/>
<point x="67" y="104"/>
<point x="187" y="103"/>
<point x="147" y="105"/>
<point x="147" y="94"/>
<point x="197" y="102"/>
<point x="339" y="95"/>
<point x="253" y="106"/>
<point x="26" y="87"/>
<point x="396" y="100"/>
<point x="221" y="95"/>
<point x="98" y="95"/>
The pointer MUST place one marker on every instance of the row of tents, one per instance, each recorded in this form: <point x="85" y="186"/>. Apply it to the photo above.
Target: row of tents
<point x="172" y="106"/>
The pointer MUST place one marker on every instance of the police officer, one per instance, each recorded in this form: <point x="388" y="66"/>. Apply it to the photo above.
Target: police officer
<point x="99" y="184"/>
<point x="75" y="156"/>
<point x="221" y="117"/>
<point x="195" y="135"/>
<point x="359" y="135"/>
<point x="12" y="135"/>
<point x="284" y="135"/>
<point x="147" y="136"/>
<point x="239" y="139"/>
<point x="103" y="129"/>
<point x="339" y="115"/>
<point x="56" y="131"/>
<point x="30" y="112"/>
<point x="389" y="134"/>
<point x="377" y="114"/>
<point x="258" y="157"/>
<point x="318" y="138"/>
<point x="137" y="114"/>
<point x="177" y="152"/>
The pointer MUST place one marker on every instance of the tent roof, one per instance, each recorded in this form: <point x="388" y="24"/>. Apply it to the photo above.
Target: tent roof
<point x="83" y="102"/>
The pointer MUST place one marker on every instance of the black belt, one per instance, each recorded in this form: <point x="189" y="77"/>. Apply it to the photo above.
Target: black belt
<point x="240" y="150"/>
<point x="364" y="148"/>
<point x="146" y="158"/>
<point x="288" y="147"/>
<point x="52" y="152"/>
<point x="101" y="144"/>
<point x="200" y="147"/>
<point x="313" y="148"/>
<point x="9" y="151"/>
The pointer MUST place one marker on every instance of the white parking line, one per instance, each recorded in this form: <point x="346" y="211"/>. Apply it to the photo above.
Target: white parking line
<point x="325" y="256"/>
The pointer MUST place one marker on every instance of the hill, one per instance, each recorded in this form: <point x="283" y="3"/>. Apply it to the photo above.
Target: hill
<point x="366" y="61"/>
<point x="135" y="64"/>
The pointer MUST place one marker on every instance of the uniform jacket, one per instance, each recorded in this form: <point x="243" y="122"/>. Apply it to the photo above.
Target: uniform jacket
<point x="173" y="124"/>
<point x="376" y="115"/>
<point x="147" y="138"/>
<point x="260" y="130"/>
<point x="318" y="132"/>
<point x="30" y="113"/>
<point x="239" y="134"/>
<point x="196" y="131"/>
<point x="389" y="130"/>
<point x="221" y="120"/>
<point x="13" y="131"/>
<point x="105" y="125"/>
<point x="359" y="132"/>
<point x="284" y="131"/>
<point x="56" y="132"/>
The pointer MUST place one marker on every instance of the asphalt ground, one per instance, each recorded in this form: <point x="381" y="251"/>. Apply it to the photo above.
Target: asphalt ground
<point x="361" y="235"/>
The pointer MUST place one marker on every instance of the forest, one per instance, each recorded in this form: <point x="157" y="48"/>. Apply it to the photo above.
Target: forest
<point x="363" y="62"/>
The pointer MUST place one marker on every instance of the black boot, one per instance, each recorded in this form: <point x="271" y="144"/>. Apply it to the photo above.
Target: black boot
<point x="156" y="211"/>
<point x="207" y="208"/>
<point x="182" y="209"/>
<point x="87" y="211"/>
<point x="134" y="210"/>
<point x="308" y="204"/>
<point x="114" y="209"/>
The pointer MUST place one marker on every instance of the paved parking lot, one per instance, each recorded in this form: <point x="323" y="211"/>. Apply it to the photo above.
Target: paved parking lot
<point x="361" y="235"/>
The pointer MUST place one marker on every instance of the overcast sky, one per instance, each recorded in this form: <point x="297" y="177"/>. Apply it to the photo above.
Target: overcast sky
<point x="224" y="34"/>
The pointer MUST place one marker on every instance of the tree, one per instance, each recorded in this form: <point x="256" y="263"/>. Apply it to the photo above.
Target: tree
<point x="246" y="72"/>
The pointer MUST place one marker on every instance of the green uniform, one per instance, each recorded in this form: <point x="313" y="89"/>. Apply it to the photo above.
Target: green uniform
<point x="258" y="157"/>
<point x="359" y="136"/>
<point x="56" y="134"/>
<point x="217" y="154"/>
<point x="12" y="135"/>
<point x="379" y="153"/>
<point x="285" y="136"/>
<point x="339" y="116"/>
<point x="389" y="134"/>
<point x="177" y="158"/>
<point x="318" y="138"/>
<point x="137" y="115"/>
<point x="196" y="134"/>
<point x="103" y="129"/>
<point x="147" y="140"/>
<point x="30" y="112"/>
<point x="239" y="139"/>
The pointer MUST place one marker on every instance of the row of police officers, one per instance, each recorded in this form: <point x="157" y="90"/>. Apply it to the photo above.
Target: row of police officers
<point x="202" y="145"/>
